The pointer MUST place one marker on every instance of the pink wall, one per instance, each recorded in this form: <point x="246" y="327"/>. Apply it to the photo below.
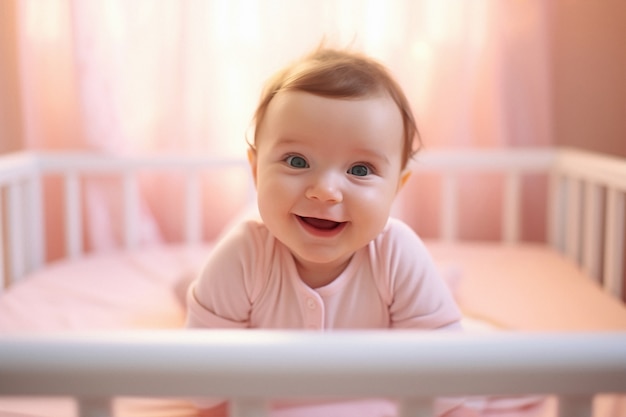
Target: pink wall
<point x="589" y="74"/>
<point x="10" y="117"/>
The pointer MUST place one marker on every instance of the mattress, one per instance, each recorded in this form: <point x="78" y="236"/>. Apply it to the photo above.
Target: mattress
<point x="526" y="287"/>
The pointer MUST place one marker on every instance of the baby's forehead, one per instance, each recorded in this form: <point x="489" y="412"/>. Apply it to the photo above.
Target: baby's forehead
<point x="297" y="110"/>
<point x="297" y="101"/>
<point x="286" y="99"/>
<point x="365" y="122"/>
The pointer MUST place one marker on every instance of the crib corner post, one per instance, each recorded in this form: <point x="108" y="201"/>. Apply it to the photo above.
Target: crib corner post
<point x="94" y="407"/>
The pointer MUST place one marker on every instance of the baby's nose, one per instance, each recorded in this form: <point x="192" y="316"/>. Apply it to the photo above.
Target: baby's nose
<point x="326" y="188"/>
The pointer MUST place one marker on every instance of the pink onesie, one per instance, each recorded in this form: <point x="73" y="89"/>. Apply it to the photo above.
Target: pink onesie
<point x="251" y="281"/>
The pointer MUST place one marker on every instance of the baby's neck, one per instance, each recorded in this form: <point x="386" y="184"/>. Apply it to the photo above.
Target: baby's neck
<point x="320" y="275"/>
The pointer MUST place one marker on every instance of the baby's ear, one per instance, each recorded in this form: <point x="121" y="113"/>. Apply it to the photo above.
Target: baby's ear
<point x="252" y="161"/>
<point x="404" y="177"/>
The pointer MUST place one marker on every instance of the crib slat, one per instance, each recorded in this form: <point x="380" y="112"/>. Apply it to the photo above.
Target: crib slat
<point x="591" y="230"/>
<point x="36" y="229"/>
<point x="614" y="243"/>
<point x="131" y="210"/>
<point x="449" y="212"/>
<point x="573" y="219"/>
<point x="73" y="216"/>
<point x="247" y="407"/>
<point x="555" y="208"/>
<point x="575" y="406"/>
<point x="16" y="232"/>
<point x="510" y="217"/>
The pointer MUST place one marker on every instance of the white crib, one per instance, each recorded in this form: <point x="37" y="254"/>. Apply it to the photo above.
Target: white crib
<point x="586" y="224"/>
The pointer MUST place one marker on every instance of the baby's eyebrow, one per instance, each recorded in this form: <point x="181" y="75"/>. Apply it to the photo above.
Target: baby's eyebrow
<point x="287" y="141"/>
<point x="373" y="155"/>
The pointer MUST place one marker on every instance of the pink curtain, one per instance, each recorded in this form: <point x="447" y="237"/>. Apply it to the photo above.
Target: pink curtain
<point x="130" y="77"/>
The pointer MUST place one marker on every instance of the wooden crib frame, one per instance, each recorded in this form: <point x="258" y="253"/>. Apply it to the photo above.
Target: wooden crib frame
<point x="586" y="223"/>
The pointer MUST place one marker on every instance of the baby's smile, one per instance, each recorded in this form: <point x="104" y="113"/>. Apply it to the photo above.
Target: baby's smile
<point x="317" y="225"/>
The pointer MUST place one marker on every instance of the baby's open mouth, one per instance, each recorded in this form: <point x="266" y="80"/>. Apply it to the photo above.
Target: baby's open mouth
<point x="322" y="224"/>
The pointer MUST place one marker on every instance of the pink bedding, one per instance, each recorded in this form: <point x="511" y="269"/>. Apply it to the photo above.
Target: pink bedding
<point x="512" y="287"/>
<point x="118" y="290"/>
<point x="527" y="287"/>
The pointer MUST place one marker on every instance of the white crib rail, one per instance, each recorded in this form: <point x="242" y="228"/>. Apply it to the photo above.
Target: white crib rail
<point x="513" y="163"/>
<point x="21" y="198"/>
<point x="73" y="165"/>
<point x="582" y="184"/>
<point x="586" y="207"/>
<point x="586" y="200"/>
<point x="252" y="366"/>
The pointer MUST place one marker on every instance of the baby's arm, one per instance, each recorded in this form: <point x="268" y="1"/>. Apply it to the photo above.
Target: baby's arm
<point x="420" y="299"/>
<point x="219" y="297"/>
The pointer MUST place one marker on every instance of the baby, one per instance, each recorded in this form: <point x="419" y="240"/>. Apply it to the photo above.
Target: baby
<point x="333" y="137"/>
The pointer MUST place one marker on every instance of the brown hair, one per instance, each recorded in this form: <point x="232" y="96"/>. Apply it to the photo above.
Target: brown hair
<point x="341" y="74"/>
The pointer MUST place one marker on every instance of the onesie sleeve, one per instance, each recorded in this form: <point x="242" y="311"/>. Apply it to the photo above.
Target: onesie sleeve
<point x="220" y="296"/>
<point x="419" y="296"/>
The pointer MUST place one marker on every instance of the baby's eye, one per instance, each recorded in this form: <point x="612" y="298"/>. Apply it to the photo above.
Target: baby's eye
<point x="359" y="170"/>
<point x="296" y="161"/>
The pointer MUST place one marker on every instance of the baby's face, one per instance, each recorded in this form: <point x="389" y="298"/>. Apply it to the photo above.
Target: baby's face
<point x="327" y="171"/>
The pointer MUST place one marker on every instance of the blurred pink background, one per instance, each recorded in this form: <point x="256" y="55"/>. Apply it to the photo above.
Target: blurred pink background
<point x="137" y="77"/>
